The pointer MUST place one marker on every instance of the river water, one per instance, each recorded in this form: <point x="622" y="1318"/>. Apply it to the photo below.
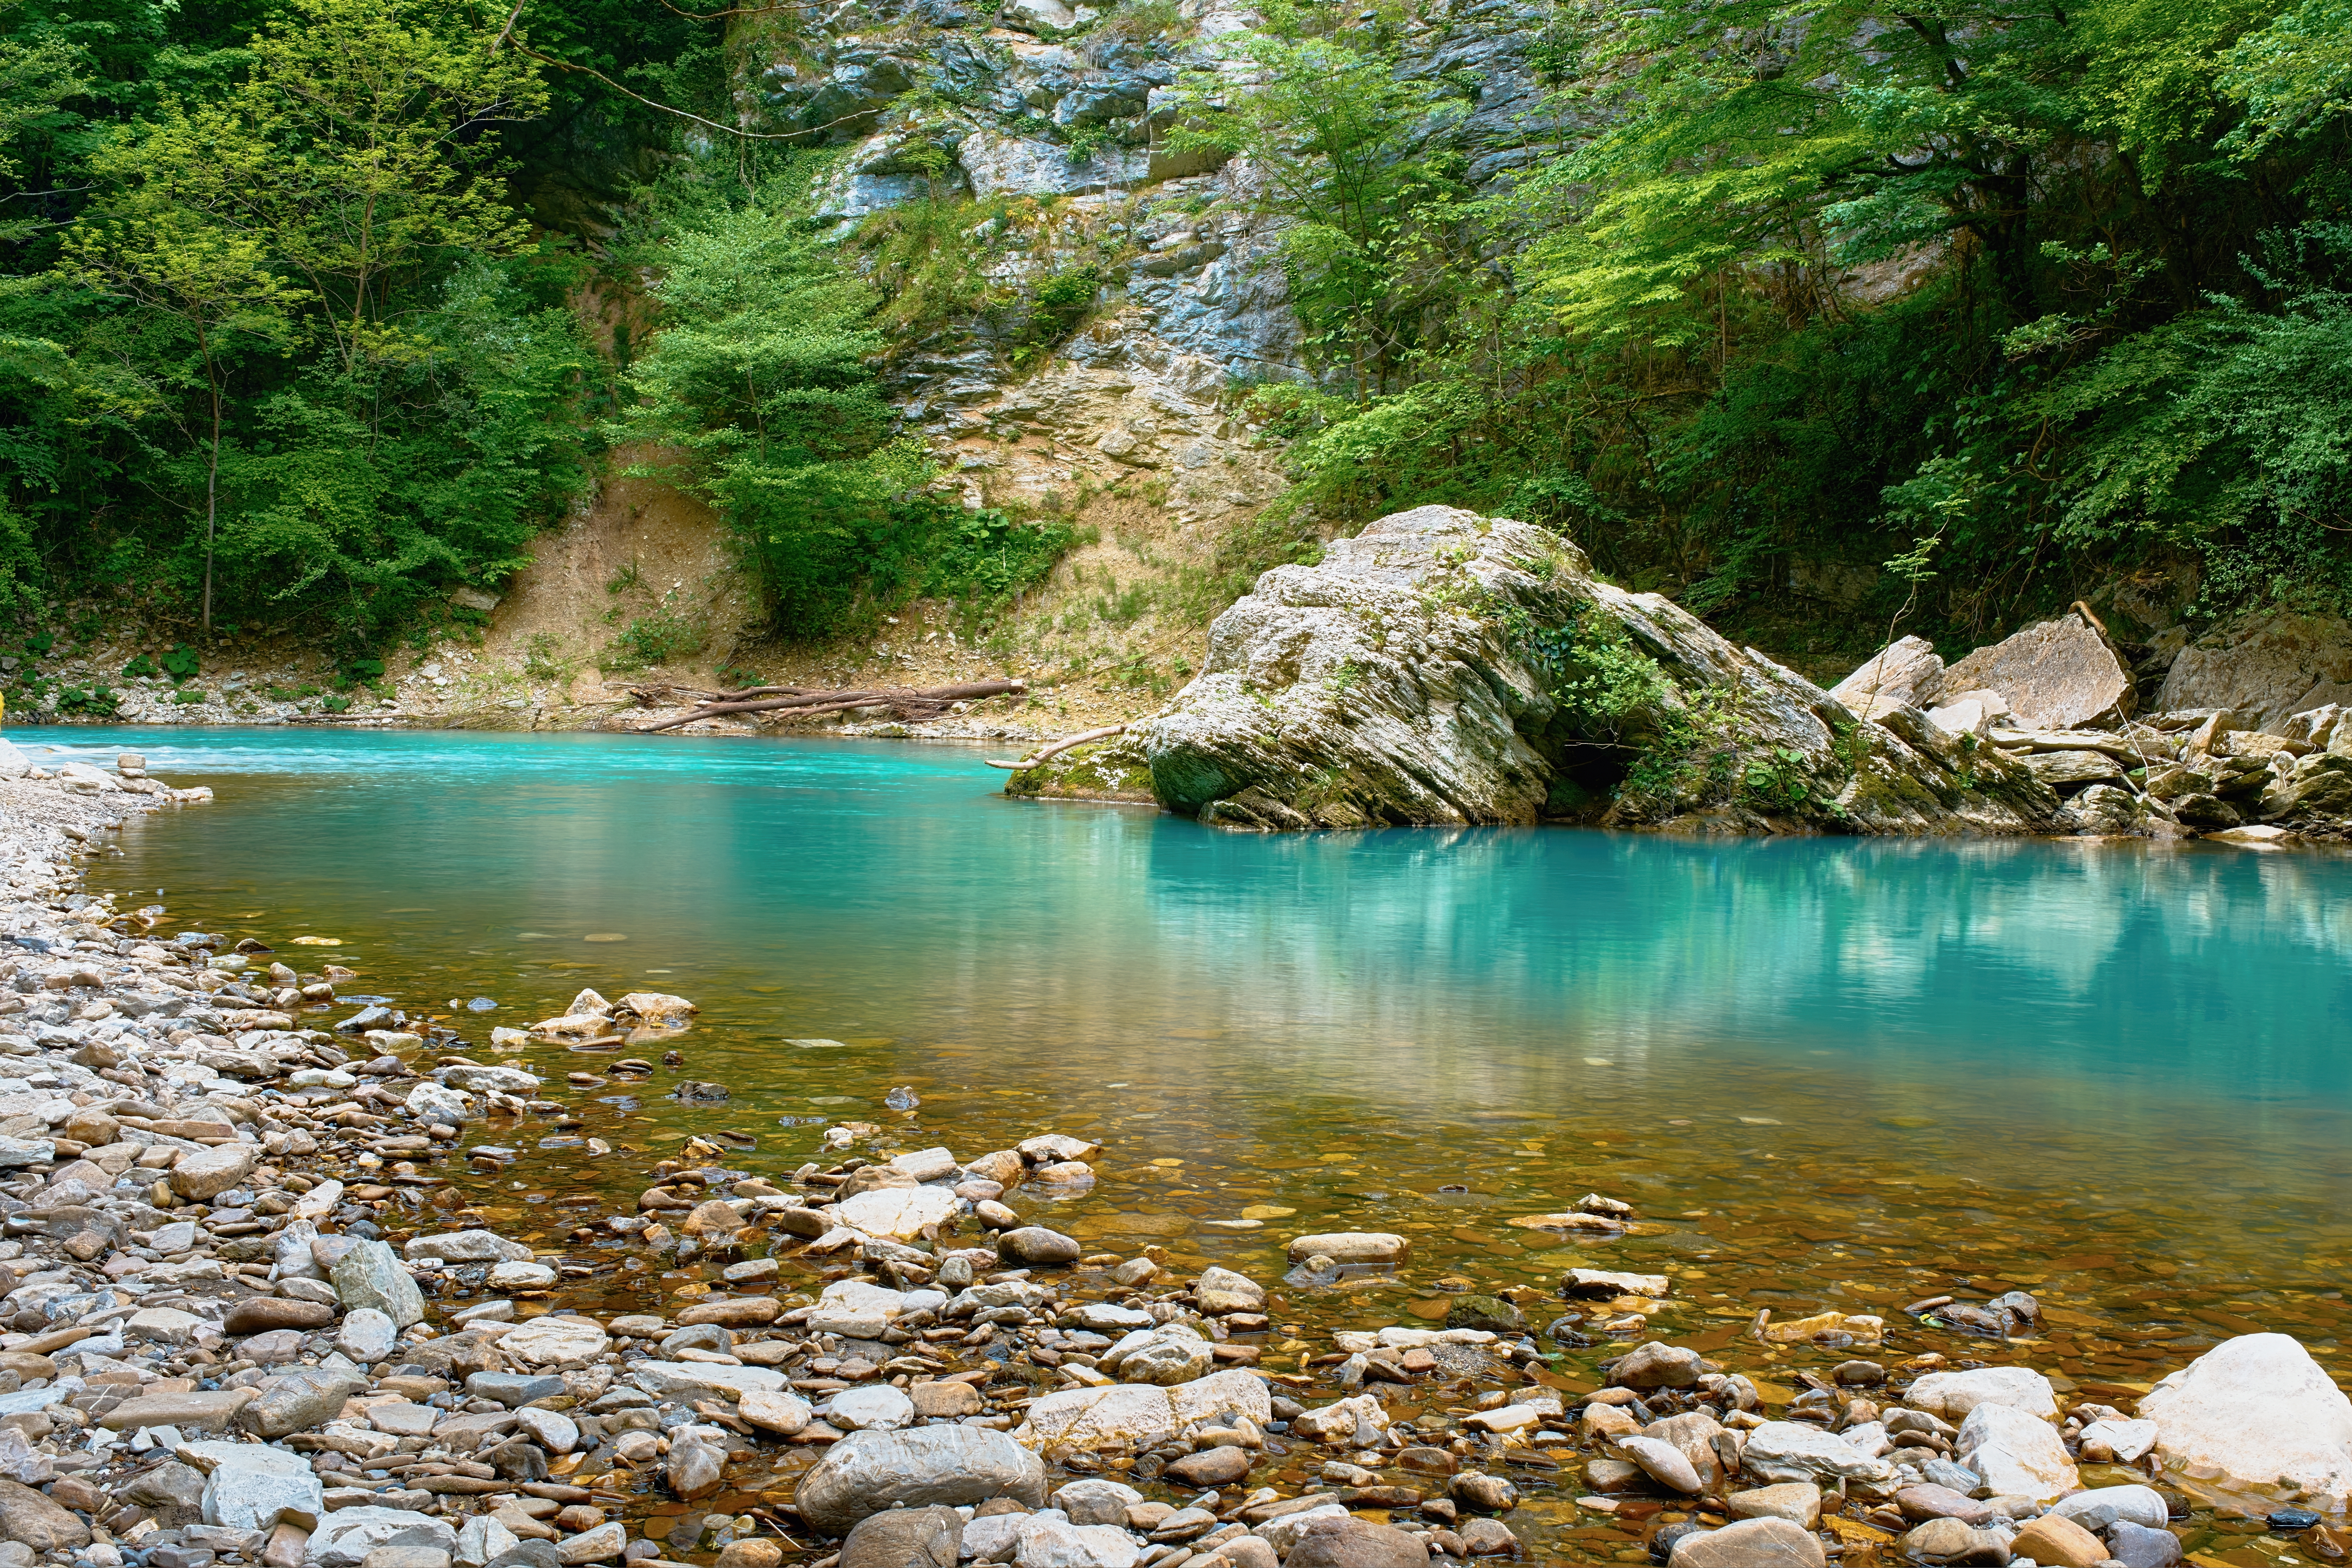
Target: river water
<point x="1834" y="1073"/>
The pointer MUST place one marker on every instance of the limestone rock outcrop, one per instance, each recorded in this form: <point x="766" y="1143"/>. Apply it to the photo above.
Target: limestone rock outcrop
<point x="1448" y="667"/>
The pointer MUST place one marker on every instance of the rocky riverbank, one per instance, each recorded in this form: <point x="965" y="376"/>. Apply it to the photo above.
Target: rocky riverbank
<point x="255" y="1312"/>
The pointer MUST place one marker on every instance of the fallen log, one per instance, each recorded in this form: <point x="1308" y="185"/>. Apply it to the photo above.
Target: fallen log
<point x="1055" y="748"/>
<point x="911" y="703"/>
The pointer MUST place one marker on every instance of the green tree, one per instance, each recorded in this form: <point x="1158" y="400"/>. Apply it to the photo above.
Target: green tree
<point x="758" y="386"/>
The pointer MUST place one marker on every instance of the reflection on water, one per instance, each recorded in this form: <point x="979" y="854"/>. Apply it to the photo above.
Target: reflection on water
<point x="1956" y="1062"/>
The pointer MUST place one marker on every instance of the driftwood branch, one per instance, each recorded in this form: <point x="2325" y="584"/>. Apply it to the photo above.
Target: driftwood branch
<point x="1055" y="748"/>
<point x="911" y="703"/>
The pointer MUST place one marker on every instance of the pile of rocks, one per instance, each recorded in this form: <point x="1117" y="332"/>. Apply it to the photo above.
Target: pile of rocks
<point x="2057" y="699"/>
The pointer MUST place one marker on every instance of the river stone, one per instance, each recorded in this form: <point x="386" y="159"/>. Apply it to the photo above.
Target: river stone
<point x="2253" y="1412"/>
<point x="905" y="1538"/>
<point x="782" y="1413"/>
<point x="169" y="1485"/>
<point x="481" y="1539"/>
<point x="1781" y="1451"/>
<point x="431" y="1102"/>
<point x="2054" y="1540"/>
<point x="866" y="1472"/>
<point x="202" y="1175"/>
<point x="1047" y="1540"/>
<point x="739" y="1312"/>
<point x="877" y="1408"/>
<point x="205" y="1412"/>
<point x="1799" y="1502"/>
<point x="2016" y="1454"/>
<point x="2102" y="1505"/>
<point x="952" y="1401"/>
<point x="900" y="1212"/>
<point x="255" y="1493"/>
<point x="695" y="1468"/>
<point x="1220" y="1292"/>
<point x="468" y="1247"/>
<point x="1952" y="1395"/>
<point x="1092" y="1501"/>
<point x="698" y="1379"/>
<point x="1656" y="1365"/>
<point x="602" y="1544"/>
<point x="26" y="1516"/>
<point x="1123" y="1415"/>
<point x="1346" y="1542"/>
<point x="261" y="1314"/>
<point x="366" y="1336"/>
<point x="512" y="1389"/>
<point x="1951" y="1541"/>
<point x="369" y="1275"/>
<point x="345" y="1537"/>
<point x="1035" y="1245"/>
<point x="1211" y="1467"/>
<point x="1664" y="1462"/>
<point x="1223" y="1397"/>
<point x="1750" y="1543"/>
<point x="2137" y="1546"/>
<point x="303" y="1396"/>
<point x="1352" y="1246"/>
<point x="551" y="1429"/>
<point x="1171" y="1354"/>
<point x="548" y="1341"/>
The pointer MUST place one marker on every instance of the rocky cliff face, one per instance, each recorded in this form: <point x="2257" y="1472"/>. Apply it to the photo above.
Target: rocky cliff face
<point x="1042" y="128"/>
<point x="1448" y="667"/>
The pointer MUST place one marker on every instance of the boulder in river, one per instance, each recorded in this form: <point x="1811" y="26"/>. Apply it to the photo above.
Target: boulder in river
<point x="868" y="1472"/>
<point x="1448" y="667"/>
<point x="2253" y="1412"/>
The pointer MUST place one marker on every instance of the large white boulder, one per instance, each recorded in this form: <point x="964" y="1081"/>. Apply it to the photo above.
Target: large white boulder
<point x="899" y="1212"/>
<point x="2017" y="1454"/>
<point x="2253" y="1412"/>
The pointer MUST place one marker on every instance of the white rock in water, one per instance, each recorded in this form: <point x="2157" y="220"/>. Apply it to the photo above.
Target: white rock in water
<point x="1338" y="1421"/>
<point x="1352" y="1246"/>
<point x="551" y="1429"/>
<point x="1952" y="1395"/>
<point x="1393" y="683"/>
<point x="1132" y="1416"/>
<point x="925" y="1164"/>
<point x="2097" y="1508"/>
<point x="1781" y="1451"/>
<point x="513" y="1274"/>
<point x="1172" y="1354"/>
<point x="1095" y="1501"/>
<point x="430" y="1101"/>
<point x="467" y="1246"/>
<point x="2127" y="1440"/>
<point x="2253" y="1412"/>
<point x="2017" y="1454"/>
<point x="899" y="1212"/>
<point x="488" y="1079"/>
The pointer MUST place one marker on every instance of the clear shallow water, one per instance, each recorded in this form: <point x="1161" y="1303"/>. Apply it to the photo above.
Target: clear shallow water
<point x="1950" y="1062"/>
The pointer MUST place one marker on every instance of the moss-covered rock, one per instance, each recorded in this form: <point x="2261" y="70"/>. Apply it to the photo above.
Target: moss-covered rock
<point x="1448" y="667"/>
<point x="1114" y="770"/>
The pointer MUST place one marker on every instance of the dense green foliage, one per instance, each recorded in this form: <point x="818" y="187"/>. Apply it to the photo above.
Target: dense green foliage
<point x="276" y="346"/>
<point x="2031" y="294"/>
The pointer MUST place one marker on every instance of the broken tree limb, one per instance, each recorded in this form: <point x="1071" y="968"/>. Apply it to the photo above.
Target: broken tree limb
<point x="911" y="703"/>
<point x="1053" y="749"/>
